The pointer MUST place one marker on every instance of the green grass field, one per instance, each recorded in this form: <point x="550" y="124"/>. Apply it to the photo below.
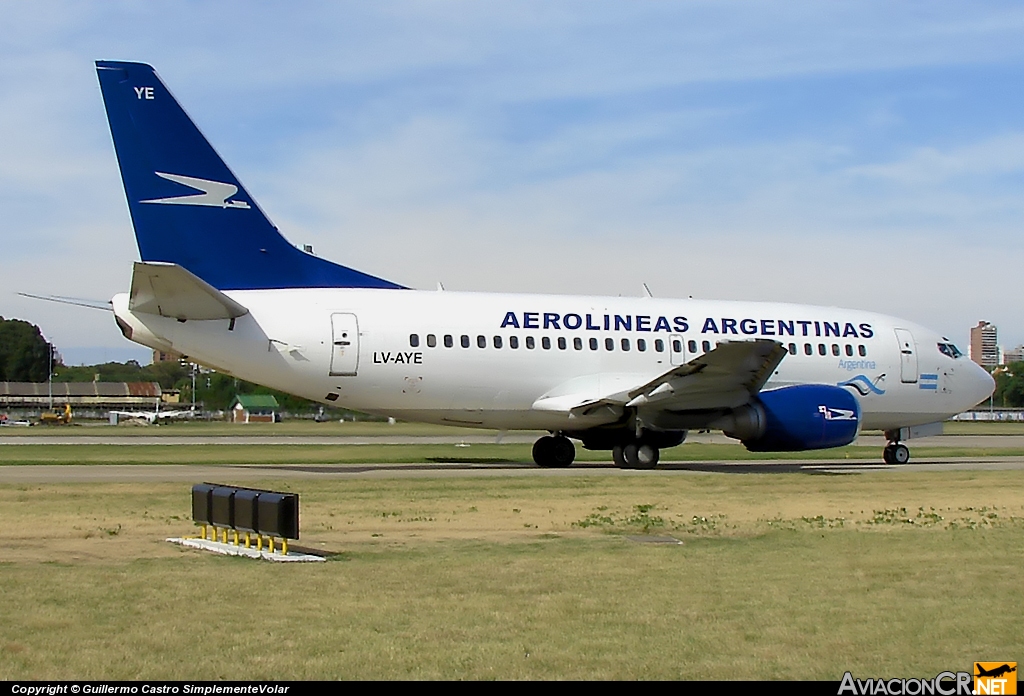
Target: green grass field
<point x="794" y="576"/>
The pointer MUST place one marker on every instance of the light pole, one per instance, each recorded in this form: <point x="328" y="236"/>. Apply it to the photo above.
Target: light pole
<point x="49" y="376"/>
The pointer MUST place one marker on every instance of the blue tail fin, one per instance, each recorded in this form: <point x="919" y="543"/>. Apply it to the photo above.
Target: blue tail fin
<point x="188" y="208"/>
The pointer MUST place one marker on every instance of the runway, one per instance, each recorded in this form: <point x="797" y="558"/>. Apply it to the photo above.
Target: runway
<point x="960" y="441"/>
<point x="134" y="473"/>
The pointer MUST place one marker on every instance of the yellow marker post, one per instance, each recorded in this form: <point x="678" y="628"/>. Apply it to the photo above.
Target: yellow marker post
<point x="284" y="546"/>
<point x="259" y="542"/>
<point x="270" y="544"/>
<point x="247" y="544"/>
<point x="236" y="537"/>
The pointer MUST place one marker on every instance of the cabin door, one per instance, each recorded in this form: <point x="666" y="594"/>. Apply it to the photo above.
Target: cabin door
<point x="345" y="345"/>
<point x="908" y="356"/>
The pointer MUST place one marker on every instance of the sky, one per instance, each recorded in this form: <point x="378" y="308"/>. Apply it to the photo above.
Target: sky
<point x="858" y="154"/>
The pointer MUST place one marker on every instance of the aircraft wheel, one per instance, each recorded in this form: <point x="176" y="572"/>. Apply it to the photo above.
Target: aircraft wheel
<point x="619" y="457"/>
<point x="563" y="452"/>
<point x="553" y="452"/>
<point x="640" y="456"/>
<point x="896" y="454"/>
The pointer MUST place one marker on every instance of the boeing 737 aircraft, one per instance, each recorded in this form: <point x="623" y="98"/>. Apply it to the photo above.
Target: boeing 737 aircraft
<point x="217" y="282"/>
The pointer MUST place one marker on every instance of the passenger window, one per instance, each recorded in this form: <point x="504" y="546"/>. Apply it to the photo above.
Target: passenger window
<point x="849" y="350"/>
<point x="677" y="345"/>
<point x="497" y="341"/>
<point x="822" y="350"/>
<point x="692" y="345"/>
<point x="481" y="341"/>
<point x="808" y="350"/>
<point x="792" y="349"/>
<point x="513" y="342"/>
<point x="593" y="344"/>
<point x="465" y="341"/>
<point x="862" y="351"/>
<point x="529" y="342"/>
<point x="641" y="345"/>
<point x="706" y="345"/>
<point x="561" y="343"/>
<point x="659" y="345"/>
<point x="625" y="344"/>
<point x="835" y="349"/>
<point x="609" y="344"/>
<point x="448" y="343"/>
<point x="431" y="340"/>
<point x="414" y="340"/>
<point x="545" y="343"/>
<point x="577" y="343"/>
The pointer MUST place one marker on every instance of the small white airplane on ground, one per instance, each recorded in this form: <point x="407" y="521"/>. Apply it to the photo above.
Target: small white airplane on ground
<point x="218" y="282"/>
<point x="153" y="417"/>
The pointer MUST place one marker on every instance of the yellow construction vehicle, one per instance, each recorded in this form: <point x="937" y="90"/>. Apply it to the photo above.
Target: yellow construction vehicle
<point x="56" y="417"/>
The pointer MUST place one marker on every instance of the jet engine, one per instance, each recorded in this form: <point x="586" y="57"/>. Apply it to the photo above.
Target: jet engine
<point x="791" y="419"/>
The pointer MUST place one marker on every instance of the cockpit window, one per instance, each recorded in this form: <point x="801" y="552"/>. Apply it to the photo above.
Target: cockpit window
<point x="950" y="350"/>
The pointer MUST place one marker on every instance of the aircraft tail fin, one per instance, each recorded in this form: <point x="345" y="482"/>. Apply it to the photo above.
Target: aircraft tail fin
<point x="187" y="206"/>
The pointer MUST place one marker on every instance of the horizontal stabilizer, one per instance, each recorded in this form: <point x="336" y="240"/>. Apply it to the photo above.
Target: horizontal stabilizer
<point x="168" y="290"/>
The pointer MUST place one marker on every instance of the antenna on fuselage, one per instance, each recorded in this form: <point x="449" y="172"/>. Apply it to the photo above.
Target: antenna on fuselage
<point x="647" y="290"/>
<point x="440" y="286"/>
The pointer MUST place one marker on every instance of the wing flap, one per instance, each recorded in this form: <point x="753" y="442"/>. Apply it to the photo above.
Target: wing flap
<point x="168" y="290"/>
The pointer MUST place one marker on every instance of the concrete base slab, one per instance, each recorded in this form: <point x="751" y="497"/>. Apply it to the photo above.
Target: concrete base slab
<point x="232" y="550"/>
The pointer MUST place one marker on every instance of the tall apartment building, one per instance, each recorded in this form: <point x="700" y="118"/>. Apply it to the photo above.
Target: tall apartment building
<point x="984" y="348"/>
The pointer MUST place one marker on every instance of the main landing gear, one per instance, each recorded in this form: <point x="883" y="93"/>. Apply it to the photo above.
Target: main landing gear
<point x="554" y="451"/>
<point x="895" y="452"/>
<point x="636" y="455"/>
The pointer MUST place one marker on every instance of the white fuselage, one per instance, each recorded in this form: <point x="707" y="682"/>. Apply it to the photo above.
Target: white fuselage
<point x="385" y="352"/>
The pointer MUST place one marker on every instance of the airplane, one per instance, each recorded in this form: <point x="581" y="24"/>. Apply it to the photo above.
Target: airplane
<point x="219" y="283"/>
<point x="995" y="671"/>
<point x="153" y="417"/>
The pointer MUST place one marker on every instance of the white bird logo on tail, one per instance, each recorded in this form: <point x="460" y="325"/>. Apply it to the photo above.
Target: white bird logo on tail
<point x="215" y="194"/>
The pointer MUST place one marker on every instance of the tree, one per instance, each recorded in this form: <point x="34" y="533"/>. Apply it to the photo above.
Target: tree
<point x="1010" y="385"/>
<point x="24" y="353"/>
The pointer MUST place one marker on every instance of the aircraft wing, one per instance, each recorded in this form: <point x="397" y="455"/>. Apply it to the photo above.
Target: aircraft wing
<point x="168" y="290"/>
<point x="726" y="377"/>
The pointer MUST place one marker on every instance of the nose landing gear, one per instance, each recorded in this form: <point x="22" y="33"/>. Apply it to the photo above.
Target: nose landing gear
<point x="895" y="452"/>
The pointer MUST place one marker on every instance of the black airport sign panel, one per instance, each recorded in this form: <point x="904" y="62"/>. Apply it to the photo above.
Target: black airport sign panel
<point x="246" y="509"/>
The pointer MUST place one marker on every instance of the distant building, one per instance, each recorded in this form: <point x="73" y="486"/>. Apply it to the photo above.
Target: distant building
<point x="1014" y="355"/>
<point x="98" y="396"/>
<point x="160" y="356"/>
<point x="984" y="348"/>
<point x="255" y="408"/>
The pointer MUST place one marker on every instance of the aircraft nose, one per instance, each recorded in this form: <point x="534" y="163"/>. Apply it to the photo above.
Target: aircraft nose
<point x="978" y="385"/>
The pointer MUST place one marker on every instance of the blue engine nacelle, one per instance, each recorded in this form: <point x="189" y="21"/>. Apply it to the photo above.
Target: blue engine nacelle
<point x="791" y="419"/>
